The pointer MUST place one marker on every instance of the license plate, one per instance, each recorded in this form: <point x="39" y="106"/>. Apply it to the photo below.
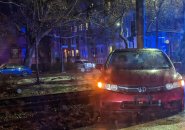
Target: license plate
<point x="142" y="99"/>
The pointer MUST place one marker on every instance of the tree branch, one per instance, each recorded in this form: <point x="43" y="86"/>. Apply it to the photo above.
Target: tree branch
<point x="13" y="3"/>
<point x="72" y="8"/>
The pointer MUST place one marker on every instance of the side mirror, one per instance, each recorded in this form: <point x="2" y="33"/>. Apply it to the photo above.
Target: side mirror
<point x="99" y="66"/>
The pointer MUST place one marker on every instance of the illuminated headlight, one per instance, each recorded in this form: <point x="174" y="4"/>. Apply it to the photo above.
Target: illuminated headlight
<point x="169" y="86"/>
<point x="111" y="87"/>
<point x="174" y="85"/>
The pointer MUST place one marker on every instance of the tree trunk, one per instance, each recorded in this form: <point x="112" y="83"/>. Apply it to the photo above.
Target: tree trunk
<point x="30" y="49"/>
<point x="125" y="40"/>
<point x="37" y="62"/>
<point x="121" y="34"/>
<point x="29" y="54"/>
<point x="140" y="22"/>
<point x="33" y="47"/>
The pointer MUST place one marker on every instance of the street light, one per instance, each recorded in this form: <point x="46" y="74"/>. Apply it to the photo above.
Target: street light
<point x="167" y="41"/>
<point x="169" y="46"/>
<point x="118" y="24"/>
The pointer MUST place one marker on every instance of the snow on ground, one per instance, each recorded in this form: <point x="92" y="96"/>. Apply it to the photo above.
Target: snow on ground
<point x="52" y="85"/>
<point x="46" y="79"/>
<point x="61" y="77"/>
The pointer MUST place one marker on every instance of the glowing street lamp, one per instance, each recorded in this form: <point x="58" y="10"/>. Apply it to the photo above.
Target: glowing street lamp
<point x="167" y="41"/>
<point x="118" y="24"/>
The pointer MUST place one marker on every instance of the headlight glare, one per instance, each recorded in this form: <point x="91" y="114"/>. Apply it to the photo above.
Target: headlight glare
<point x="182" y="82"/>
<point x="100" y="85"/>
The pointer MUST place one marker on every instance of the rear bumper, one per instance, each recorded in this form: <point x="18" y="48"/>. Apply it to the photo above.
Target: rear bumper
<point x="113" y="102"/>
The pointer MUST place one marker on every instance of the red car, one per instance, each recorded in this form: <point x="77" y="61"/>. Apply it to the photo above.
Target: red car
<point x="140" y="80"/>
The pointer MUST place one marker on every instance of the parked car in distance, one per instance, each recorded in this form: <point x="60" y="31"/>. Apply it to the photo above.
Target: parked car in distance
<point x="84" y="65"/>
<point x="13" y="69"/>
<point x="139" y="80"/>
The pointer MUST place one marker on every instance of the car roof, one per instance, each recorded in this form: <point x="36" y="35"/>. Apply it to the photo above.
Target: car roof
<point x="135" y="49"/>
<point x="13" y="65"/>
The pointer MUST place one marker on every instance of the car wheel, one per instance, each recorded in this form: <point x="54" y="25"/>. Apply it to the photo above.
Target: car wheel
<point x="181" y="106"/>
<point x="24" y="73"/>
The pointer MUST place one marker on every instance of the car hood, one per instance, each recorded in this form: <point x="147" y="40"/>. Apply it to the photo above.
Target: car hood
<point x="142" y="77"/>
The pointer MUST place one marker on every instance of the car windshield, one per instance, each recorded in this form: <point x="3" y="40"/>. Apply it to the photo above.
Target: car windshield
<point x="138" y="60"/>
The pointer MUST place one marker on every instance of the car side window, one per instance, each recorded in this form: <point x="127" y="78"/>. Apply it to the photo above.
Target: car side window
<point x="9" y="67"/>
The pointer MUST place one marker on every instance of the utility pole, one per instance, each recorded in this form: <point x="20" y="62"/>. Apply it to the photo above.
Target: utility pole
<point x="140" y="22"/>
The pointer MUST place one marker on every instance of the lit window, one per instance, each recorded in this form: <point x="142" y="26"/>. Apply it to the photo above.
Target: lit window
<point x="65" y="53"/>
<point x="73" y="53"/>
<point x="77" y="52"/>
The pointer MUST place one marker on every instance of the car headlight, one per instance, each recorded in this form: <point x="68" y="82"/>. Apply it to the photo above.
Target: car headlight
<point x="111" y="87"/>
<point x="174" y="85"/>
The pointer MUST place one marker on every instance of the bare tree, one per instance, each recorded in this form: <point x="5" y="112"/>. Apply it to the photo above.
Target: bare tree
<point x="39" y="18"/>
<point x="107" y="15"/>
<point x="163" y="13"/>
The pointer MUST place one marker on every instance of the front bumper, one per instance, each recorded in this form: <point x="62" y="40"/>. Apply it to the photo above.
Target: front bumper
<point x="113" y="102"/>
